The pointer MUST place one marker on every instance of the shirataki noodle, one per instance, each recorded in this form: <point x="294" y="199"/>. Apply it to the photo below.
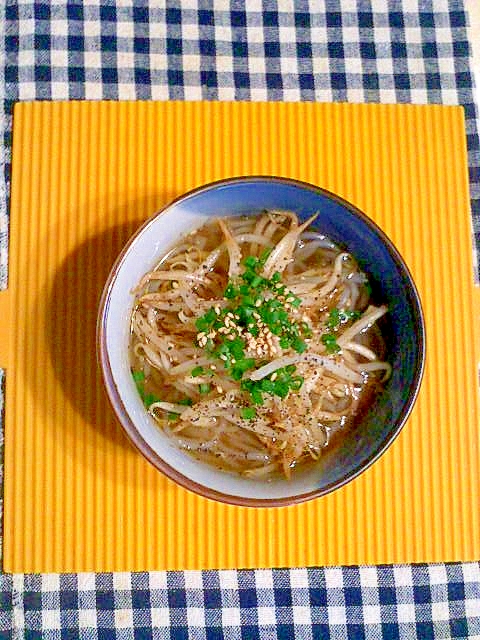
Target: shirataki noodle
<point x="254" y="343"/>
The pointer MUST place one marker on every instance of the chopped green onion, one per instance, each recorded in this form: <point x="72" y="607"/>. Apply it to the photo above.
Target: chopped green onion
<point x="267" y="385"/>
<point x="149" y="399"/>
<point x="205" y="322"/>
<point x="237" y="347"/>
<point x="333" y="319"/>
<point x="256" y="395"/>
<point x="138" y="376"/>
<point x="337" y="317"/>
<point x="244" y="364"/>
<point x="248" y="413"/>
<point x="172" y="416"/>
<point x="307" y="332"/>
<point x="296" y="383"/>
<point x="330" y="342"/>
<point x="230" y="292"/>
<point x="299" y="345"/>
<point x="264" y="256"/>
<point x="256" y="281"/>
<point x="204" y="387"/>
<point x="281" y="389"/>
<point x="185" y="401"/>
<point x="248" y="301"/>
<point x="237" y="374"/>
<point x="250" y="261"/>
<point x="197" y="371"/>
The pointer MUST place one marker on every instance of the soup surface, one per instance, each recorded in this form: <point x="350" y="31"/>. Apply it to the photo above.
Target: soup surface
<point x="254" y="343"/>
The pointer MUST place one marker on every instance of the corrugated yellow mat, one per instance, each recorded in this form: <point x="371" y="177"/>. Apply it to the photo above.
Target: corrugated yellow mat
<point x="77" y="496"/>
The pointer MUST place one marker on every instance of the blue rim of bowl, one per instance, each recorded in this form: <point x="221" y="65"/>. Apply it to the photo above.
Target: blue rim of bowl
<point x="173" y="474"/>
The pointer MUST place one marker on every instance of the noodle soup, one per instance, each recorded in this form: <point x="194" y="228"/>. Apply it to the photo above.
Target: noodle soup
<point x="255" y="344"/>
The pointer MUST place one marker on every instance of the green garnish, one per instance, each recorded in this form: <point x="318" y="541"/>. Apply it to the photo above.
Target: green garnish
<point x="185" y="401"/>
<point x="268" y="386"/>
<point x="279" y="383"/>
<point x="147" y="398"/>
<point x="248" y="413"/>
<point x="307" y="332"/>
<point x="230" y="292"/>
<point x="256" y="281"/>
<point x="256" y="395"/>
<point x="205" y="322"/>
<point x="299" y="345"/>
<point x="257" y="309"/>
<point x="336" y="317"/>
<point x="330" y="342"/>
<point x="172" y="416"/>
<point x="204" y="387"/>
<point x="138" y="376"/>
<point x="241" y="366"/>
<point x="251" y="262"/>
<point x="264" y="256"/>
<point x="296" y="383"/>
<point x="281" y="389"/>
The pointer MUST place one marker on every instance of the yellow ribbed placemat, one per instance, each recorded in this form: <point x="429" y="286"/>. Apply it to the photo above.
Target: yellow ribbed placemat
<point x="77" y="496"/>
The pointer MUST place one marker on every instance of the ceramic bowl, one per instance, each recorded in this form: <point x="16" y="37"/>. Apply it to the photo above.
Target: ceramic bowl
<point x="403" y="329"/>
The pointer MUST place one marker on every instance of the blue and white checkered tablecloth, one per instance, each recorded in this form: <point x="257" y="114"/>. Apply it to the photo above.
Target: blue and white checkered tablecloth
<point x="336" y="50"/>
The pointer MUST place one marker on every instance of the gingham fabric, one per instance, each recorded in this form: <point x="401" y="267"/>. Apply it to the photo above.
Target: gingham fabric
<point x="338" y="50"/>
<point x="399" y="602"/>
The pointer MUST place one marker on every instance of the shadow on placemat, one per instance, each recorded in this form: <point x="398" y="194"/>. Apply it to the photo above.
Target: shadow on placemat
<point x="70" y="324"/>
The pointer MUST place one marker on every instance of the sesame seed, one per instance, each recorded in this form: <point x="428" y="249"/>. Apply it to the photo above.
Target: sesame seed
<point x="213" y="367"/>
<point x="217" y="310"/>
<point x="258" y="303"/>
<point x="273" y="376"/>
<point x="201" y="335"/>
<point x="223" y="357"/>
<point x="174" y="284"/>
<point x="219" y="389"/>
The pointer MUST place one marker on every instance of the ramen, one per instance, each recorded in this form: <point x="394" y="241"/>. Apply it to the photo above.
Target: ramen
<point x="255" y="343"/>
